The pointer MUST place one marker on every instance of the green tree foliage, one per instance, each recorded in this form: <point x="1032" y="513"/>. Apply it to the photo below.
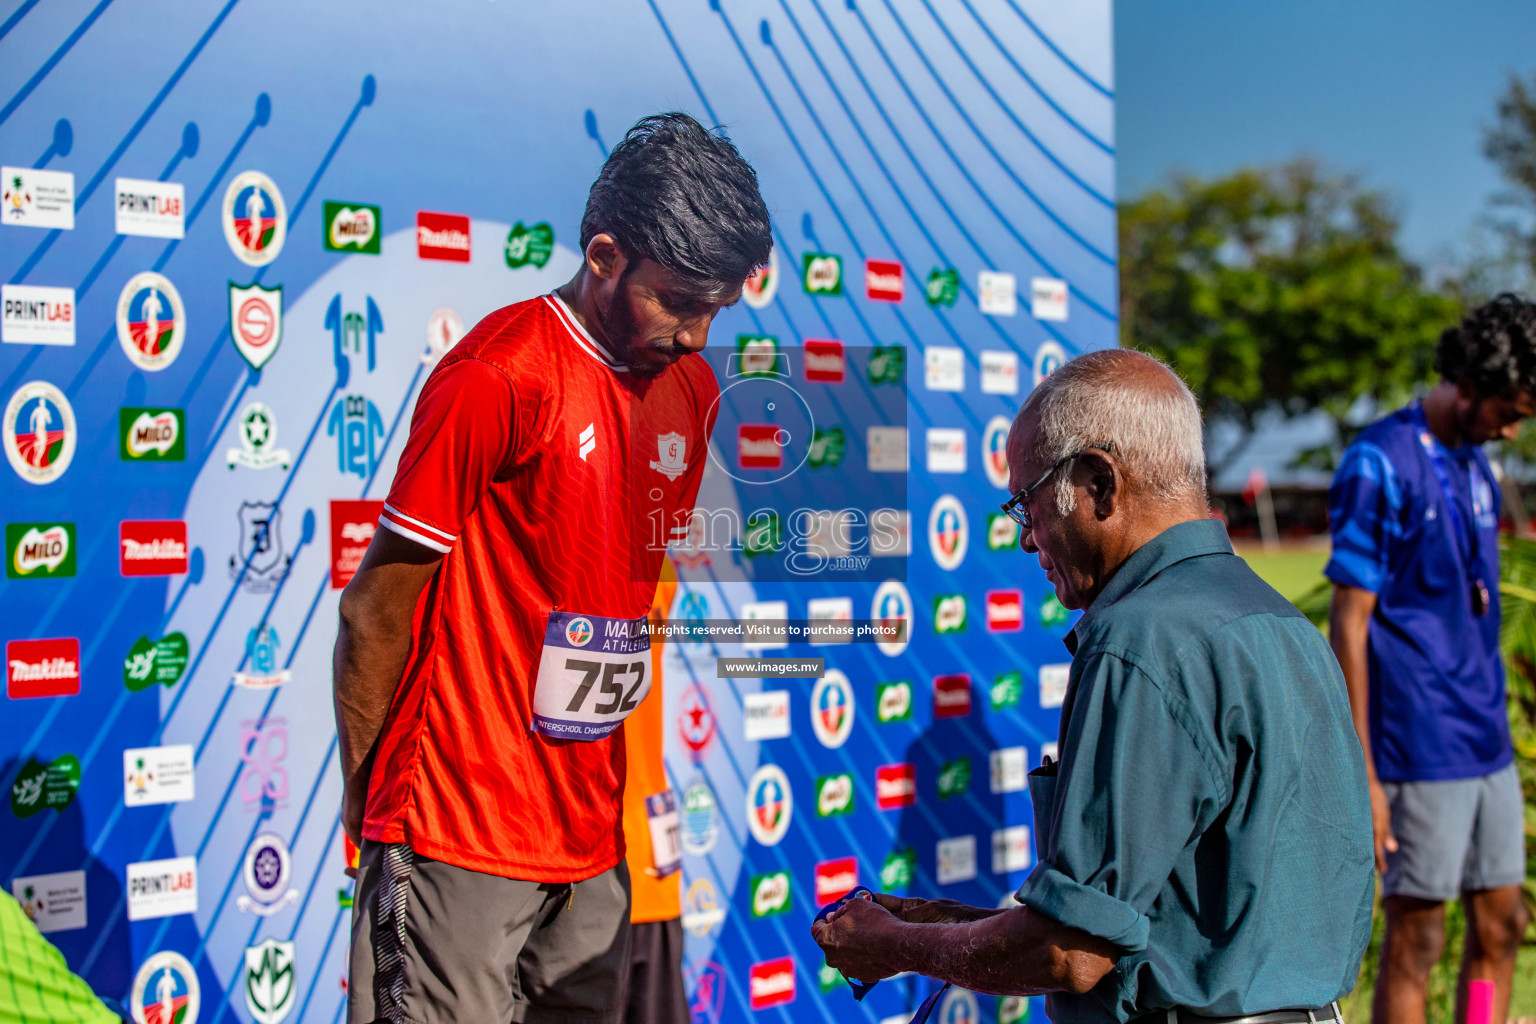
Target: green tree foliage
<point x="1511" y="145"/>
<point x="1277" y="291"/>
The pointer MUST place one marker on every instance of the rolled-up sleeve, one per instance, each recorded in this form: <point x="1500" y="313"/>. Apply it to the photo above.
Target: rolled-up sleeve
<point x="1132" y="791"/>
<point x="1365" y="502"/>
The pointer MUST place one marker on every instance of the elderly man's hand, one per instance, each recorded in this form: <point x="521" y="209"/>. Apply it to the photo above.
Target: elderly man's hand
<point x="858" y="939"/>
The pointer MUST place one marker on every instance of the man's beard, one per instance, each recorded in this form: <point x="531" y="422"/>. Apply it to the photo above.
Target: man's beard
<point x="617" y="320"/>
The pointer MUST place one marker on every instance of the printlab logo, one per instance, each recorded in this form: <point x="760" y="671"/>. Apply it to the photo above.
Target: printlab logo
<point x="352" y="332"/>
<point x="151" y="321"/>
<point x="37" y="315"/>
<point x="256" y="322"/>
<point x="269" y="988"/>
<point x="263" y="745"/>
<point x="39" y="550"/>
<point x="529" y="245"/>
<point x="152" y="435"/>
<point x="155" y="209"/>
<point x="352" y="227"/>
<point x="255" y="219"/>
<point x="259" y="561"/>
<point x="358" y="428"/>
<point x="261" y="652"/>
<point x="258" y="440"/>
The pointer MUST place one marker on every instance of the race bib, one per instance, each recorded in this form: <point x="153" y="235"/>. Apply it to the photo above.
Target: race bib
<point x="666" y="846"/>
<point x="594" y="671"/>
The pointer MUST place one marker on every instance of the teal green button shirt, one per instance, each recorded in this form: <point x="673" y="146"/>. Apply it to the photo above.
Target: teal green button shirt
<point x="1209" y="813"/>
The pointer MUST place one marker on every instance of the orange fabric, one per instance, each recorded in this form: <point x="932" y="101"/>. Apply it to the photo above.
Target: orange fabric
<point x="653" y="899"/>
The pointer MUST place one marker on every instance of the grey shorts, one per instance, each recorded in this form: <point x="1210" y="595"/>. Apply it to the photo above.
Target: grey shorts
<point x="1458" y="836"/>
<point x="433" y="943"/>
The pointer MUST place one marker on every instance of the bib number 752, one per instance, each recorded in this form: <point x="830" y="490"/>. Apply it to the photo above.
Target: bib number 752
<point x="621" y="700"/>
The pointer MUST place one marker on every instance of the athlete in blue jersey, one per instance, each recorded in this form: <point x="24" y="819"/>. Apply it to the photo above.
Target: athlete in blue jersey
<point x="1414" y="512"/>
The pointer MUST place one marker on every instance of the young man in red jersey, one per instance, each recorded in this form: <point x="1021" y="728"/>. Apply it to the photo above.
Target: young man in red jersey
<point x="493" y="639"/>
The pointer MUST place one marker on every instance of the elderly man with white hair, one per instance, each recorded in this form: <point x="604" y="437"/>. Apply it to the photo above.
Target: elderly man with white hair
<point x="1204" y="842"/>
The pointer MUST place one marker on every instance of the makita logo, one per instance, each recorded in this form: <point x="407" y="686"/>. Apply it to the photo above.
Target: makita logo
<point x="442" y="236"/>
<point x="824" y="361"/>
<point x="757" y="446"/>
<point x="835" y="877"/>
<point x="951" y="696"/>
<point x="153" y="547"/>
<point x="772" y="983"/>
<point x="42" y="668"/>
<point x="895" y="785"/>
<point x="427" y="238"/>
<point x="1005" y="611"/>
<point x="883" y="280"/>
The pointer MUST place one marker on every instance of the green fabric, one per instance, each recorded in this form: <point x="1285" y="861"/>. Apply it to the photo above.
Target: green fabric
<point x="1209" y="813"/>
<point x="36" y="986"/>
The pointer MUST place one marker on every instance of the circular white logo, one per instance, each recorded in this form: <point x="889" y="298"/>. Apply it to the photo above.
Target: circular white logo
<point x="994" y="450"/>
<point x="255" y="219"/>
<point x="444" y="330"/>
<point x="770" y="804"/>
<point x="948" y="534"/>
<point x="892" y="604"/>
<point x="1048" y="357"/>
<point x="40" y="432"/>
<point x="151" y="321"/>
<point x="165" y="989"/>
<point x="763" y="285"/>
<point x="268" y="867"/>
<point x="832" y="709"/>
<point x="579" y="631"/>
<point x="959" y="1007"/>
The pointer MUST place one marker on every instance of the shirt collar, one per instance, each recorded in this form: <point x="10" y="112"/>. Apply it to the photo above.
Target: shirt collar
<point x="1183" y="540"/>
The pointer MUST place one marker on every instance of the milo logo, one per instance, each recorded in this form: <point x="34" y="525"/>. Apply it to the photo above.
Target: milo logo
<point x="352" y="227"/>
<point x="39" y="550"/>
<point x="770" y="894"/>
<point x="893" y="701"/>
<point x="834" y="795"/>
<point x="949" y="613"/>
<point x="152" y="435"/>
<point x="1002" y="532"/>
<point x="823" y="274"/>
<point x="758" y="355"/>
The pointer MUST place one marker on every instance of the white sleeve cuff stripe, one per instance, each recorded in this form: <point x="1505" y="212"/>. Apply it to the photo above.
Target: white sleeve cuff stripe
<point x="442" y="535"/>
<point x="409" y="534"/>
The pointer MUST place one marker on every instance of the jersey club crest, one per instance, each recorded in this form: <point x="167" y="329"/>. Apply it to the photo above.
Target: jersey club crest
<point x="671" y="449"/>
<point x="256" y="322"/>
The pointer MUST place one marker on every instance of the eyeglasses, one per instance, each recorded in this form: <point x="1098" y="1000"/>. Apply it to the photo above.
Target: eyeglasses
<point x="1017" y="506"/>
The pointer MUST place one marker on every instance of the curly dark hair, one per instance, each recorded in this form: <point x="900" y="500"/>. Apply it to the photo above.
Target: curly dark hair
<point x="1494" y="347"/>
<point x="677" y="193"/>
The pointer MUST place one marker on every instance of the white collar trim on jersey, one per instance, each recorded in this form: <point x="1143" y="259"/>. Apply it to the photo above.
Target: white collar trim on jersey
<point x="579" y="334"/>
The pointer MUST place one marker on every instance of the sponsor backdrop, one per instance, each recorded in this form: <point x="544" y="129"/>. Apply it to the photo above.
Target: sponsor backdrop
<point x="234" y="239"/>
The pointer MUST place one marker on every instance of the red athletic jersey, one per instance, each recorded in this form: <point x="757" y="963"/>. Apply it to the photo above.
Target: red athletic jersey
<point x="536" y="463"/>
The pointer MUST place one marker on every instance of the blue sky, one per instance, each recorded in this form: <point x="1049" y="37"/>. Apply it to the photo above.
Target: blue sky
<point x="1397" y="92"/>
